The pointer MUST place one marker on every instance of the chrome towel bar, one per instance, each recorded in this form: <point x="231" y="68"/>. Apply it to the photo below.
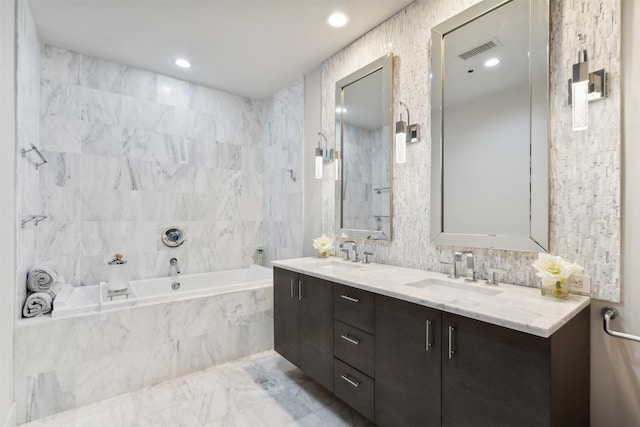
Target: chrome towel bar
<point x="34" y="148"/>
<point x="609" y="313"/>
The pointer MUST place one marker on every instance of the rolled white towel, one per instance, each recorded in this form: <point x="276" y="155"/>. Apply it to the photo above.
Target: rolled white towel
<point x="39" y="303"/>
<point x="41" y="279"/>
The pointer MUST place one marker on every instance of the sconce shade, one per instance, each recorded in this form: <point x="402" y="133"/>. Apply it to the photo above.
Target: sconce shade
<point x="401" y="141"/>
<point x="319" y="156"/>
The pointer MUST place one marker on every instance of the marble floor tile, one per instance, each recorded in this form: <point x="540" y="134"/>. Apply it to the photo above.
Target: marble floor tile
<point x="260" y="390"/>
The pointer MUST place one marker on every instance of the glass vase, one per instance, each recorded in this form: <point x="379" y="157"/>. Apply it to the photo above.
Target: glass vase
<point x="560" y="289"/>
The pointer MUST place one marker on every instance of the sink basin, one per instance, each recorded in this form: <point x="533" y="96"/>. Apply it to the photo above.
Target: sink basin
<point x="342" y="265"/>
<point x="457" y="290"/>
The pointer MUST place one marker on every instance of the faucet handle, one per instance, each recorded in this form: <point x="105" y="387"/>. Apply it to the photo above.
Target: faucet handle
<point x="491" y="275"/>
<point x="453" y="265"/>
<point x="366" y="257"/>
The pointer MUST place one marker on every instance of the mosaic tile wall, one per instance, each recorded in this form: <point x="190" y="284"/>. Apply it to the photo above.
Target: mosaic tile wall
<point x="585" y="166"/>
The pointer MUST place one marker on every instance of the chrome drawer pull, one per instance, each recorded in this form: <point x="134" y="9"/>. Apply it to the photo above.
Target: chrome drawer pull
<point x="348" y="298"/>
<point x="352" y="340"/>
<point x="292" y="294"/>
<point x="451" y="349"/>
<point x="299" y="290"/>
<point x="354" y="382"/>
<point x="426" y="338"/>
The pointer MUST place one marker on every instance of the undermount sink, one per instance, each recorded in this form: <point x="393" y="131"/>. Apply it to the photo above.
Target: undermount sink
<point x="473" y="290"/>
<point x="343" y="265"/>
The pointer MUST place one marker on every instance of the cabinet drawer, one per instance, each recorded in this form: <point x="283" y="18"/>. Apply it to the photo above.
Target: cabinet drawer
<point x="354" y="307"/>
<point x="353" y="387"/>
<point x="353" y="346"/>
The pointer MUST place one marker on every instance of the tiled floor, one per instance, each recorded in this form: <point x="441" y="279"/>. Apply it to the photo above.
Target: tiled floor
<point x="261" y="390"/>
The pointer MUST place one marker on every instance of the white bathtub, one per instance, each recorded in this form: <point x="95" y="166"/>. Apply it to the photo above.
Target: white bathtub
<point x="160" y="289"/>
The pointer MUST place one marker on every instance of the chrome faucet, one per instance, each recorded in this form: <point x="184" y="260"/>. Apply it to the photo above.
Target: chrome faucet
<point x="174" y="263"/>
<point x="470" y="273"/>
<point x="355" y="249"/>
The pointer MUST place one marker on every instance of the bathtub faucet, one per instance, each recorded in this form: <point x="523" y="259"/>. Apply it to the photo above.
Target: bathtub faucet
<point x="174" y="263"/>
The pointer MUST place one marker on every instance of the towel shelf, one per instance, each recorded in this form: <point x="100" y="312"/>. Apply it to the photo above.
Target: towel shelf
<point x="34" y="148"/>
<point x="37" y="218"/>
<point x="609" y="313"/>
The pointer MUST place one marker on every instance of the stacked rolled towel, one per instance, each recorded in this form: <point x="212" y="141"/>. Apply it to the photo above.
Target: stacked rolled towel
<point x="39" y="303"/>
<point x="41" y="279"/>
<point x="44" y="284"/>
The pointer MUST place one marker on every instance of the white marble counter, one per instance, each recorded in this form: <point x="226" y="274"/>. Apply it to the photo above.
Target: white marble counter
<point x="515" y="307"/>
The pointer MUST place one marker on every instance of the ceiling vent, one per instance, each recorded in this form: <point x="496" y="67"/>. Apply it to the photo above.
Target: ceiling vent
<point x="478" y="50"/>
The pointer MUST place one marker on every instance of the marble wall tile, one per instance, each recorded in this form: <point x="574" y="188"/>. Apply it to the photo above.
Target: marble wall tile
<point x="103" y="334"/>
<point x="173" y="91"/>
<point x="104" y="377"/>
<point x="47" y="347"/>
<point x="62" y="134"/>
<point x="59" y="65"/>
<point x="139" y="84"/>
<point x="96" y="73"/>
<point x="44" y="393"/>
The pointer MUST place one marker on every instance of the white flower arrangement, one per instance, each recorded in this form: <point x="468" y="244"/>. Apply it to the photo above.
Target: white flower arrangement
<point x="324" y="245"/>
<point x="555" y="273"/>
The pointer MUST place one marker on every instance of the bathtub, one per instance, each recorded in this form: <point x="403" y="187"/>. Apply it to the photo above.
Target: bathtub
<point x="190" y="285"/>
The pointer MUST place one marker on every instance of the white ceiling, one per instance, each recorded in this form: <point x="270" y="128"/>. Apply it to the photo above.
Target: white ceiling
<point x="247" y="47"/>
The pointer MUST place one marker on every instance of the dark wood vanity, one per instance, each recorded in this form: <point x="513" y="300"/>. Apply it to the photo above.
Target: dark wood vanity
<point x="403" y="364"/>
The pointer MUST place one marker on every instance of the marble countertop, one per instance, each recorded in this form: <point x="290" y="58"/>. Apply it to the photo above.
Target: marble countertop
<point x="515" y="307"/>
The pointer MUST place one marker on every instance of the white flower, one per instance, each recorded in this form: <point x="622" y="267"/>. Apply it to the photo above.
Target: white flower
<point x="323" y="243"/>
<point x="553" y="269"/>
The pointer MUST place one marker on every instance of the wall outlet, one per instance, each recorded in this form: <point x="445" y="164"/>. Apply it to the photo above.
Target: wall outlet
<point x="580" y="284"/>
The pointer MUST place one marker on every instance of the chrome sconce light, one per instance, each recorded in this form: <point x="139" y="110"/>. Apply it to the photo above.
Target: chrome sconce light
<point x="405" y="134"/>
<point x="323" y="155"/>
<point x="584" y="87"/>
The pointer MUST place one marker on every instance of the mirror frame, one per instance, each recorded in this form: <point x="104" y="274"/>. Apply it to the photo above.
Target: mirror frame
<point x="538" y="238"/>
<point x="384" y="63"/>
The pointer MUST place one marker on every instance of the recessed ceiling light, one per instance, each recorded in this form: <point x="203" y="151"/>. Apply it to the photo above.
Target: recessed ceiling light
<point x="491" y="62"/>
<point x="182" y="63"/>
<point x="337" y="19"/>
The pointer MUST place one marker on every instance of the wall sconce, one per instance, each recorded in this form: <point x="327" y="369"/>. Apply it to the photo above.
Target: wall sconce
<point x="323" y="155"/>
<point x="584" y="87"/>
<point x="405" y="134"/>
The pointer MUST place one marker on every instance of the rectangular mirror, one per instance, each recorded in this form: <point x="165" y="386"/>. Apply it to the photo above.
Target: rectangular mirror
<point x="489" y="122"/>
<point x="364" y="136"/>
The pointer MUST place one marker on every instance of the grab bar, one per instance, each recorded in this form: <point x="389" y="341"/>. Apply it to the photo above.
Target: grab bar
<point x="610" y="313"/>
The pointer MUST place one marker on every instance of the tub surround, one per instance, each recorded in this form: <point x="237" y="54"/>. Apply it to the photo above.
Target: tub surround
<point x="66" y="363"/>
<point x="515" y="307"/>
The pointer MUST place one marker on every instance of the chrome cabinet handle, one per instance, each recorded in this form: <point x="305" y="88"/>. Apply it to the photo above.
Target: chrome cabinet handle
<point x="354" y="382"/>
<point x="451" y="349"/>
<point x="299" y="290"/>
<point x="352" y="340"/>
<point x="292" y="294"/>
<point x="427" y="339"/>
<point x="348" y="298"/>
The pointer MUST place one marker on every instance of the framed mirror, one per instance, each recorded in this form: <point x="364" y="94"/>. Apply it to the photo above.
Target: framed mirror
<point x="489" y="123"/>
<point x="364" y="135"/>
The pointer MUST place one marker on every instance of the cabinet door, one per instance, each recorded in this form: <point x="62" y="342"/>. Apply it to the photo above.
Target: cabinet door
<point x="285" y="314"/>
<point x="493" y="376"/>
<point x="407" y="386"/>
<point x="316" y="329"/>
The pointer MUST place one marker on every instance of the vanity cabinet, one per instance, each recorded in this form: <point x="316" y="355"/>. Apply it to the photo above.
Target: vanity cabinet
<point x="495" y="376"/>
<point x="407" y="363"/>
<point x="303" y="323"/>
<point x="403" y="364"/>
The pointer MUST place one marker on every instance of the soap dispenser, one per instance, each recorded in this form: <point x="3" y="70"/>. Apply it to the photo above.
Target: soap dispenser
<point x="118" y="274"/>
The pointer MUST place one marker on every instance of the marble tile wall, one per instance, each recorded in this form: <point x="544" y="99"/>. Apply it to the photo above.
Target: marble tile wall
<point x="357" y="158"/>
<point x="283" y="175"/>
<point x="28" y="132"/>
<point x="132" y="152"/>
<point x="63" y="364"/>
<point x="585" y="166"/>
